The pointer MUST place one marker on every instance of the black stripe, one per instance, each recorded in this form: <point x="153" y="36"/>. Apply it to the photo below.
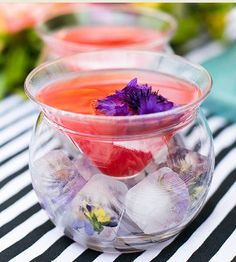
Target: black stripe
<point x="54" y="250"/>
<point x="234" y="259"/>
<point x="15" y="174"/>
<point x="216" y="239"/>
<point x="16" y="136"/>
<point x="18" y="119"/>
<point x="14" y="155"/>
<point x="222" y="128"/>
<point x="17" y="103"/>
<point x="26" y="241"/>
<point x="197" y="146"/>
<point x="88" y="255"/>
<point x="19" y="219"/>
<point x="128" y="257"/>
<point x="224" y="152"/>
<point x="190" y="130"/>
<point x="15" y="197"/>
<point x="168" y="251"/>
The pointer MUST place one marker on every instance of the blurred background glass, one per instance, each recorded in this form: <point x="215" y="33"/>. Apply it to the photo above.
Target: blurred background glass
<point x="21" y="47"/>
<point x="93" y="27"/>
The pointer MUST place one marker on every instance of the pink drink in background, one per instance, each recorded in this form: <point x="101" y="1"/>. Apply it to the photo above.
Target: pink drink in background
<point x="85" y="38"/>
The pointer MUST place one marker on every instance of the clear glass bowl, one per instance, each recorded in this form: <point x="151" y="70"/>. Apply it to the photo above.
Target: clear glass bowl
<point x="166" y="171"/>
<point x="106" y="26"/>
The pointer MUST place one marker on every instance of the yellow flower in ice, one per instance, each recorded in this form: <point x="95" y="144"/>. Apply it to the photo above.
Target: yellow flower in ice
<point x="101" y="215"/>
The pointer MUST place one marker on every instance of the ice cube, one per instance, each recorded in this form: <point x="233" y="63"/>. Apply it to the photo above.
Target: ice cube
<point x="56" y="181"/>
<point x="85" y="167"/>
<point x="161" y="156"/>
<point x="188" y="164"/>
<point x="158" y="202"/>
<point x="96" y="210"/>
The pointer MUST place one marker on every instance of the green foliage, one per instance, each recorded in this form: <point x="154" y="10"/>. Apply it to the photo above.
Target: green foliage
<point x="197" y="19"/>
<point x="18" y="56"/>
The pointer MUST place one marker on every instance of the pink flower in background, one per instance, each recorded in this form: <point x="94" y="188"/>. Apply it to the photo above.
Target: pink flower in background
<point x="15" y="17"/>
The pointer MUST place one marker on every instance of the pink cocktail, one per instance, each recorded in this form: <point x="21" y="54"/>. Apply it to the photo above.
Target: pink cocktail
<point x="101" y="27"/>
<point x="79" y="95"/>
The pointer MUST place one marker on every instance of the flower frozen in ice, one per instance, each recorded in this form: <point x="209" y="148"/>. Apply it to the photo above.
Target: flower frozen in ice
<point x="101" y="204"/>
<point x="188" y="164"/>
<point x="160" y="201"/>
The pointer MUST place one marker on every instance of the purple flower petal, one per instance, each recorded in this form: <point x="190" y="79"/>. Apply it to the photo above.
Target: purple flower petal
<point x="113" y="106"/>
<point x="133" y="99"/>
<point x="88" y="228"/>
<point x="89" y="207"/>
<point x="78" y="224"/>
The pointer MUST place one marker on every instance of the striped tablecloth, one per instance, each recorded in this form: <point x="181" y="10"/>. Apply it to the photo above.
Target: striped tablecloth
<point x="26" y="233"/>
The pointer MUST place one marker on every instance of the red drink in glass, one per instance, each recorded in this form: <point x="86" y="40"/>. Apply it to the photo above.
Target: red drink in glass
<point x="79" y="95"/>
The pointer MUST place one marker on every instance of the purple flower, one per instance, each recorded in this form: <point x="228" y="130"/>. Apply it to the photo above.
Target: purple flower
<point x="133" y="99"/>
<point x="88" y="228"/>
<point x="113" y="106"/>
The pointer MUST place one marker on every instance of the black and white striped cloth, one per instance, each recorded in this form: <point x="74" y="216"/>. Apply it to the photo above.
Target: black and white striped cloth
<point x="26" y="234"/>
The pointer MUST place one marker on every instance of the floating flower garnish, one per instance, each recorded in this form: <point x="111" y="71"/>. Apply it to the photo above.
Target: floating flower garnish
<point x="133" y="99"/>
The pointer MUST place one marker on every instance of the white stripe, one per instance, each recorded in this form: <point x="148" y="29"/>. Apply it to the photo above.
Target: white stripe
<point x="39" y="246"/>
<point x="9" y="102"/>
<point x="23" y="229"/>
<point x="42" y="138"/>
<point x="52" y="144"/>
<point x="18" y="207"/>
<point x="155" y="251"/>
<point x="14" y="186"/>
<point x="227" y="251"/>
<point x="70" y="253"/>
<point x="15" y="129"/>
<point x="225" y="138"/>
<point x="227" y="165"/>
<point x="14" y="165"/>
<point x="106" y="257"/>
<point x="215" y="123"/>
<point x="17" y="113"/>
<point x="16" y="145"/>
<point x="202" y="233"/>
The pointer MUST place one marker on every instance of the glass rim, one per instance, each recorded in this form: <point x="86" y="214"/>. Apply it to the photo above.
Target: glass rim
<point x="176" y="110"/>
<point x="157" y="14"/>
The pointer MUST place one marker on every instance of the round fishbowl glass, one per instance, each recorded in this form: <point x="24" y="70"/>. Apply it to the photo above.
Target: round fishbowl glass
<point x="120" y="183"/>
<point x="92" y="27"/>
